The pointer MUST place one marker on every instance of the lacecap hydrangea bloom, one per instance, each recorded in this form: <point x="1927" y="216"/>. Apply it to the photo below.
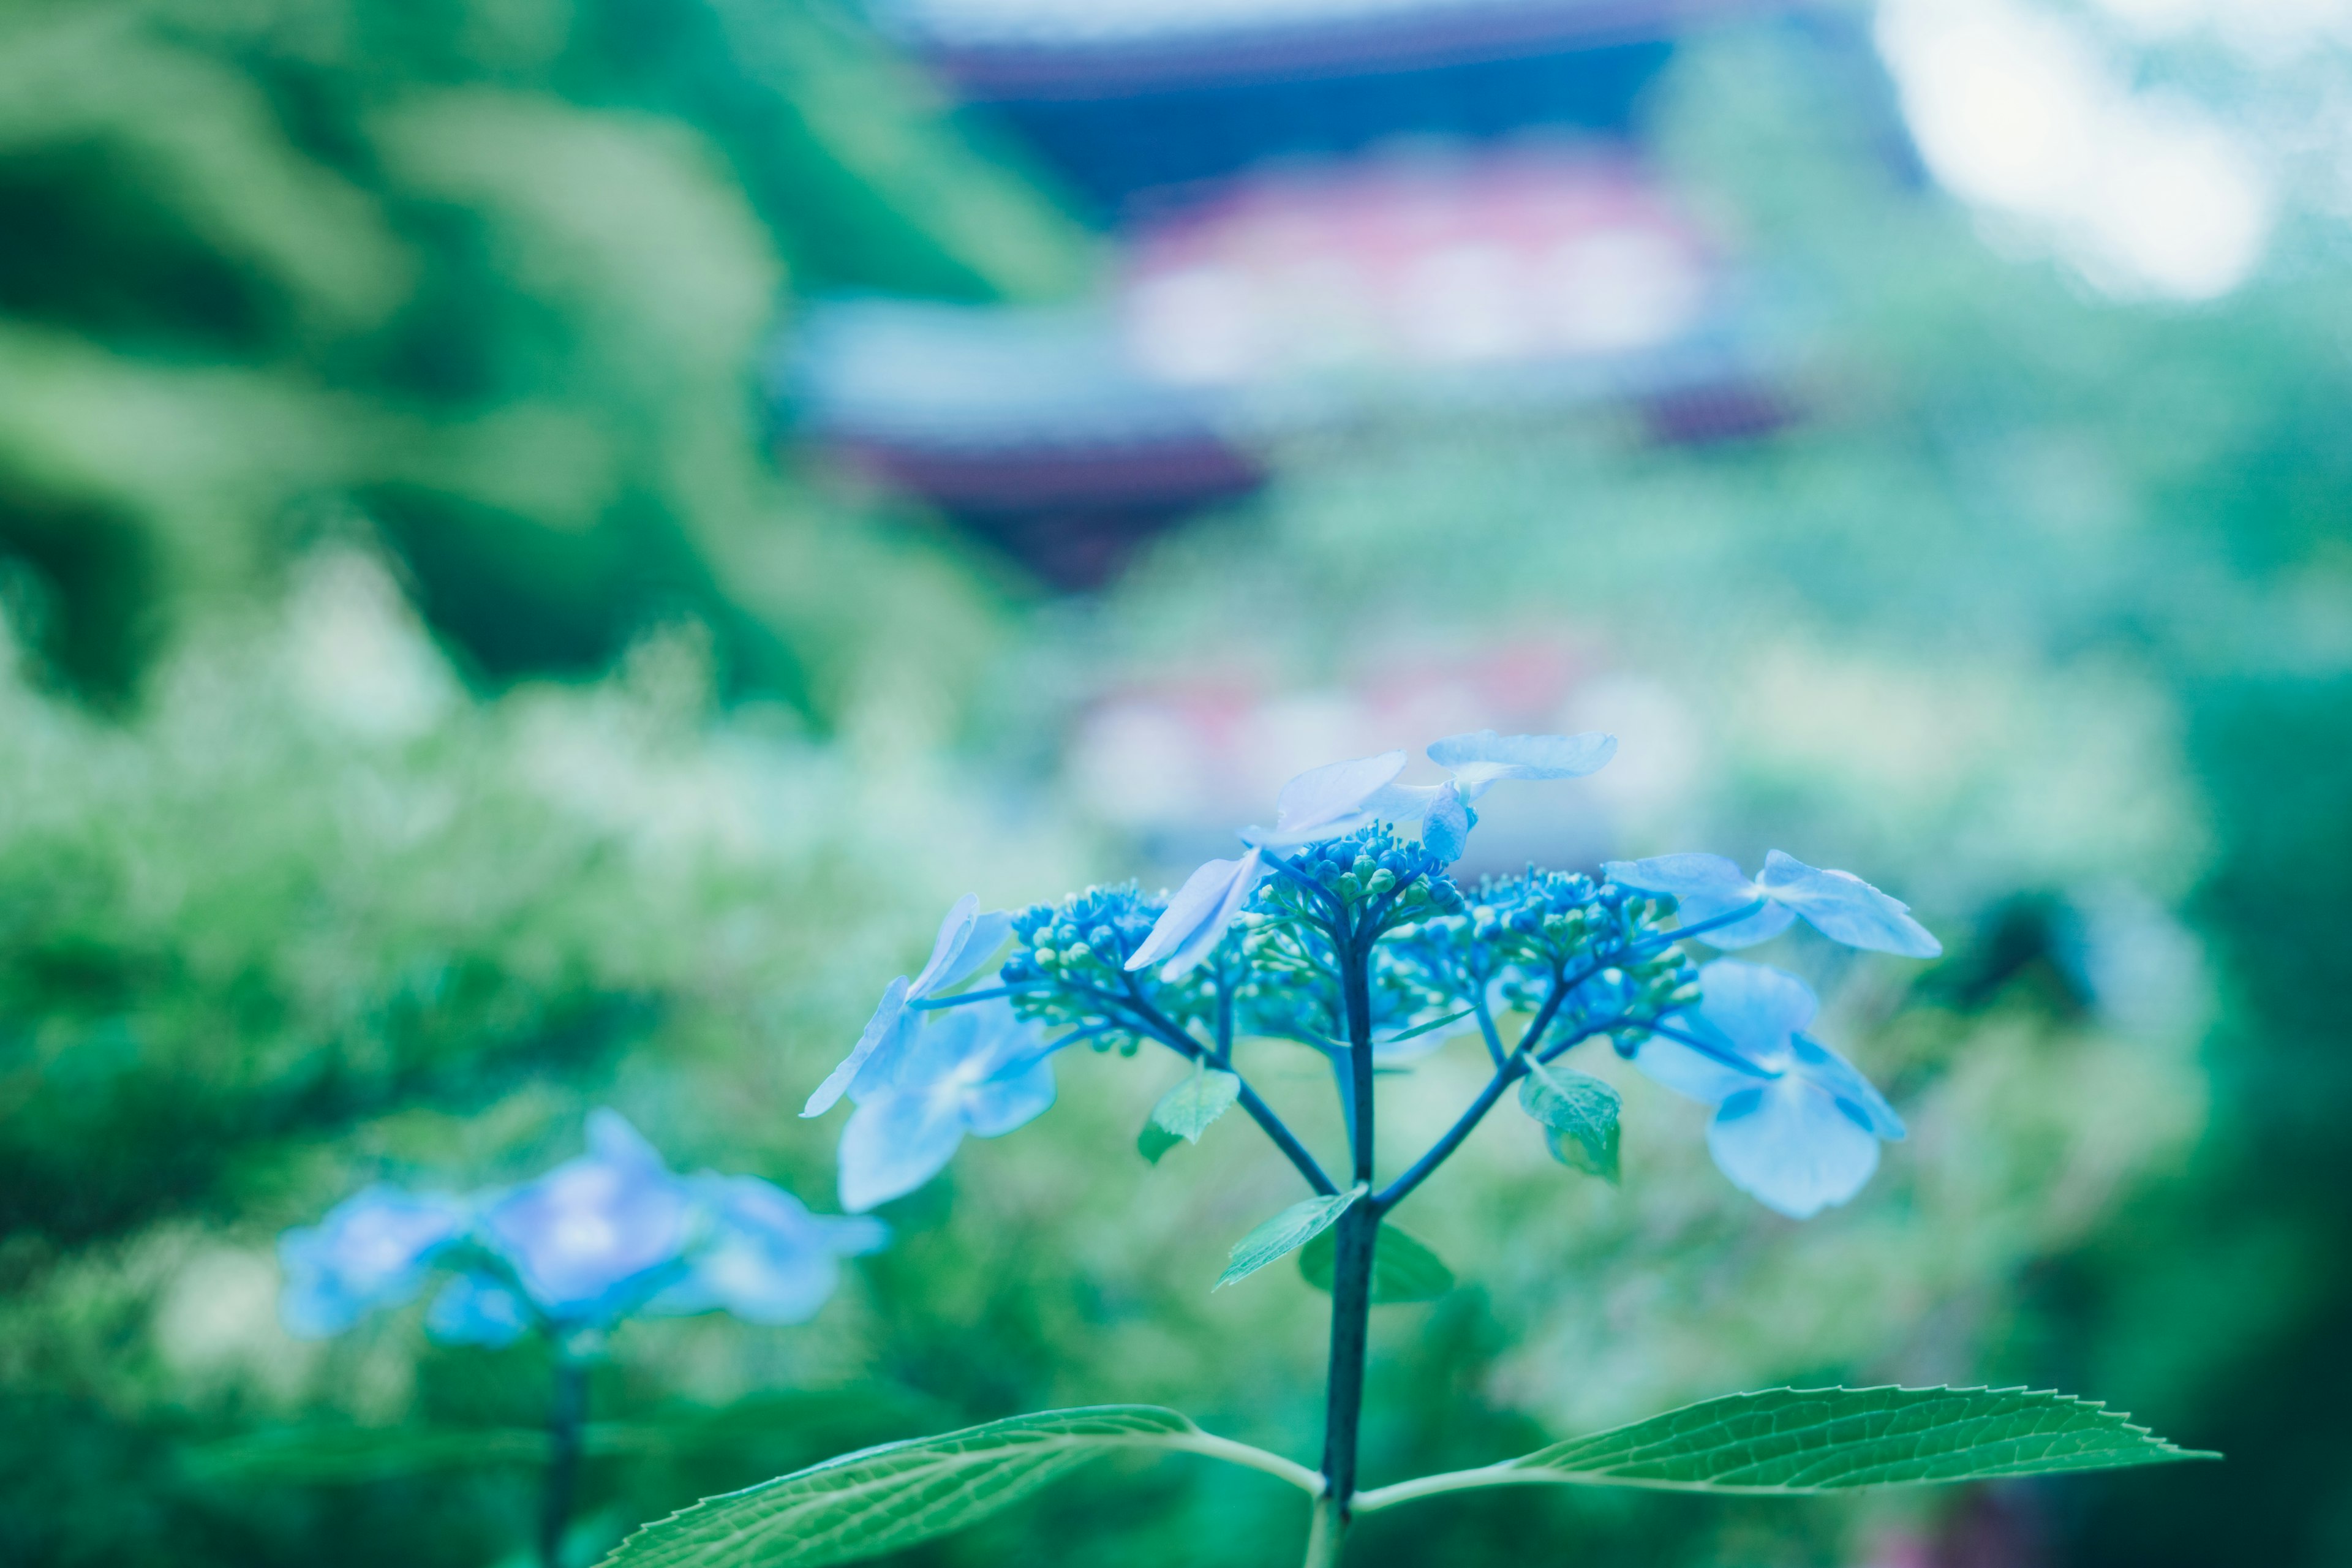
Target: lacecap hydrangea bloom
<point x="608" y="1235"/>
<point x="1342" y="932"/>
<point x="1253" y="946"/>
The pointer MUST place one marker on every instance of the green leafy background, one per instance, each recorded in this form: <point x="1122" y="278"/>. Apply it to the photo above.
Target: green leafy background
<point x="433" y="710"/>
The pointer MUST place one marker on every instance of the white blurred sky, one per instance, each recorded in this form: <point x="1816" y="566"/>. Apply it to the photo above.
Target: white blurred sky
<point x="2031" y="112"/>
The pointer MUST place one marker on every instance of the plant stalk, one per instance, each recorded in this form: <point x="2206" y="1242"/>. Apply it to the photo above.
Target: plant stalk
<point x="1323" y="1536"/>
<point x="1356" y="1235"/>
<point x="567" y="1419"/>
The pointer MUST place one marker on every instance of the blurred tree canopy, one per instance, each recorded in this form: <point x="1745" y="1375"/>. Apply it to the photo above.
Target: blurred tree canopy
<point x="494" y="276"/>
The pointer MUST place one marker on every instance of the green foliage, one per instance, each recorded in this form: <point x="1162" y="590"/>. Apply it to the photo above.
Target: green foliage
<point x="494" y="277"/>
<point x="902" y="1493"/>
<point x="1294" y="1228"/>
<point x="318" y="1454"/>
<point x="1186" y="1111"/>
<point x="1790" y="1440"/>
<point x="1404" y="1269"/>
<point x="1579" y="1114"/>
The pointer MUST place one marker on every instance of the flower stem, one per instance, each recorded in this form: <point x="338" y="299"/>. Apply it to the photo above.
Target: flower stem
<point x="1324" y="1535"/>
<point x="1357" y="1235"/>
<point x="567" y="1418"/>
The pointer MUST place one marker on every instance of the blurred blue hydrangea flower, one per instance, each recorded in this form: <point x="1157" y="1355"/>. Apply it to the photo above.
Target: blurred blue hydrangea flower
<point x="593" y="1237"/>
<point x="595" y="1240"/>
<point x="477" y="1310"/>
<point x="979" y="1070"/>
<point x="372" y="1250"/>
<point x="1800" y="1128"/>
<point x="1838" y="904"/>
<point x="966" y="939"/>
<point x="767" y="1258"/>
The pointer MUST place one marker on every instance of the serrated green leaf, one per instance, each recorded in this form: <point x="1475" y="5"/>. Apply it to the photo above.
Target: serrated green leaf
<point x="1294" y="1228"/>
<point x="1580" y="1114"/>
<point x="1186" y="1111"/>
<point x="1404" y="1269"/>
<point x="886" y="1499"/>
<point x="1828" y="1439"/>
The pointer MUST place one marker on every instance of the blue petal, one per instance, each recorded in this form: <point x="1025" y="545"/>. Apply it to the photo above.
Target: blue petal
<point x="1703" y="886"/>
<point x="885" y="1036"/>
<point x="853" y="1235"/>
<point x="1854" y="1094"/>
<point x="613" y="1141"/>
<point x="992" y="1108"/>
<point x="986" y="935"/>
<point x="1756" y="1009"/>
<point x="1691" y="1072"/>
<point x="1197" y="917"/>
<point x="954" y="931"/>
<point x="767" y="1258"/>
<point x="896" y="1143"/>
<point x="581" y="1238"/>
<point x="1482" y="760"/>
<point x="1789" y="1146"/>
<point x="1446" y="831"/>
<point x="1844" y="907"/>
<point x="1325" y="802"/>
<point x="372" y="1250"/>
<point x="474" y="1311"/>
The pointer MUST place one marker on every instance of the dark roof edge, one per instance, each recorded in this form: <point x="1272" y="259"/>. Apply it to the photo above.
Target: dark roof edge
<point x="1366" y="46"/>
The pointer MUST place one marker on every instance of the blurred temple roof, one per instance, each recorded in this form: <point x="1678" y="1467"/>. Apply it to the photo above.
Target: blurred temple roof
<point x="1317" y="209"/>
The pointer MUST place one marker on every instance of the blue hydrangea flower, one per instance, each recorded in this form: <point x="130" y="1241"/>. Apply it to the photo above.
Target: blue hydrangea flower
<point x="1838" y="904"/>
<point x="592" y="1239"/>
<point x="1322" y="803"/>
<point x="1197" y="918"/>
<point x="1479" y="761"/>
<point x="765" y="1257"/>
<point x="1327" y="802"/>
<point x="978" y="1070"/>
<point x="1340" y="798"/>
<point x="476" y="1308"/>
<point x="370" y="1250"/>
<point x="1798" y="1132"/>
<point x="966" y="939"/>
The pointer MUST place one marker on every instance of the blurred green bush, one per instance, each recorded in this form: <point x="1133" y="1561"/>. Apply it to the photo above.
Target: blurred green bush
<point x="497" y="276"/>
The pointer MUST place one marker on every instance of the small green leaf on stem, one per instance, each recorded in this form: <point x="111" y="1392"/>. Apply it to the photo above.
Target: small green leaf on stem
<point x="1404" y="1269"/>
<point x="1293" y="1228"/>
<point x="1579" y="1114"/>
<point x="1185" y="1111"/>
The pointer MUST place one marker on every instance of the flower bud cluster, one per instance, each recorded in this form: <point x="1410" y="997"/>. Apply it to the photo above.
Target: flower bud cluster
<point x="1370" y="870"/>
<point x="1074" y="954"/>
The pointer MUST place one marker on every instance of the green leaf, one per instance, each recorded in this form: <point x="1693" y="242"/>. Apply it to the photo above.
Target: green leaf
<point x="1424" y="1029"/>
<point x="1579" y="1114"/>
<point x="1185" y="1111"/>
<point x="886" y="1499"/>
<point x="1404" y="1269"/>
<point x="1826" y="1440"/>
<point x="1294" y="1228"/>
